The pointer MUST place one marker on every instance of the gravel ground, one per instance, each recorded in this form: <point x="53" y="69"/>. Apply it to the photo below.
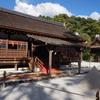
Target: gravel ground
<point x="79" y="84"/>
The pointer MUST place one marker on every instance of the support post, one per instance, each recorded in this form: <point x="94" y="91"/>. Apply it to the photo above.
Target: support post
<point x="79" y="62"/>
<point x="4" y="79"/>
<point x="32" y="59"/>
<point x="50" y="62"/>
<point x="58" y="60"/>
<point x="32" y="55"/>
<point x="90" y="60"/>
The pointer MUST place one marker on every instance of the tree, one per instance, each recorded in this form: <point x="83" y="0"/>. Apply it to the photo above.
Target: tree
<point x="62" y="18"/>
<point x="86" y="36"/>
<point x="46" y="17"/>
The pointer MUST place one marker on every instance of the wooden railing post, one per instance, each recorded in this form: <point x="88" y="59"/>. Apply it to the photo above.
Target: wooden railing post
<point x="4" y="79"/>
<point x="98" y="95"/>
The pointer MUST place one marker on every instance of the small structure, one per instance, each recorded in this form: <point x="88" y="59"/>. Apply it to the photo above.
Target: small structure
<point x="95" y="47"/>
<point x="42" y="44"/>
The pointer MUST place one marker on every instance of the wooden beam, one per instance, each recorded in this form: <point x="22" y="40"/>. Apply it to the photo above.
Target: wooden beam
<point x="98" y="46"/>
<point x="50" y="62"/>
<point x="40" y="45"/>
<point x="32" y="59"/>
<point x="4" y="79"/>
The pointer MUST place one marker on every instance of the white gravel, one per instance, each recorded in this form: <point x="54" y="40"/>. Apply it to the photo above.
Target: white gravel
<point x="75" y="84"/>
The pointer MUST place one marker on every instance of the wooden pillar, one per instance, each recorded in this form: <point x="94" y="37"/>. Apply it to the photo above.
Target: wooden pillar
<point x="50" y="62"/>
<point x="58" y="60"/>
<point x="32" y="59"/>
<point x="4" y="79"/>
<point x="16" y="67"/>
<point x="90" y="60"/>
<point x="79" y="62"/>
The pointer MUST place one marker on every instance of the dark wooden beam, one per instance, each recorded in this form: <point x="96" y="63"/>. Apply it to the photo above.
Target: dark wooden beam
<point x="40" y="45"/>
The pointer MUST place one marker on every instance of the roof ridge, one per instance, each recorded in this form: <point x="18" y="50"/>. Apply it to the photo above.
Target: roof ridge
<point x="30" y="16"/>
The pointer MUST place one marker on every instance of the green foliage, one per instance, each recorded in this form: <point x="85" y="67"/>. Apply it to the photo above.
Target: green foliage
<point x="87" y="28"/>
<point x="46" y="17"/>
<point x="86" y="36"/>
<point x="62" y="18"/>
<point x="89" y="57"/>
<point x="86" y="55"/>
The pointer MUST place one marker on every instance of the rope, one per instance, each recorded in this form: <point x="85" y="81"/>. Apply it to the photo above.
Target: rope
<point x="69" y="92"/>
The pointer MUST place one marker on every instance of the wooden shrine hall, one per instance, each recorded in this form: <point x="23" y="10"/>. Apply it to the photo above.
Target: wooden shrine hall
<point x="95" y="47"/>
<point x="41" y="44"/>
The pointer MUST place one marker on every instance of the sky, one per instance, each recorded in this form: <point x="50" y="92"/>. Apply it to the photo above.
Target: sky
<point x="82" y="8"/>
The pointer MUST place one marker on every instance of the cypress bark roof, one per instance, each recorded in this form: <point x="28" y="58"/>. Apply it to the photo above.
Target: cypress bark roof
<point x="12" y="19"/>
<point x="95" y="43"/>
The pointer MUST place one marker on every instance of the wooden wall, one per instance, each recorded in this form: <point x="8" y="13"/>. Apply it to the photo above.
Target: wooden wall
<point x="13" y="49"/>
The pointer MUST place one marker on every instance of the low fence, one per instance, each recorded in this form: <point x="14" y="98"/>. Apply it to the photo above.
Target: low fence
<point x="97" y="97"/>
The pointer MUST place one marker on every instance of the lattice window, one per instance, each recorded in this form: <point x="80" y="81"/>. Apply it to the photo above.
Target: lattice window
<point x="2" y="44"/>
<point x="12" y="45"/>
<point x="21" y="45"/>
